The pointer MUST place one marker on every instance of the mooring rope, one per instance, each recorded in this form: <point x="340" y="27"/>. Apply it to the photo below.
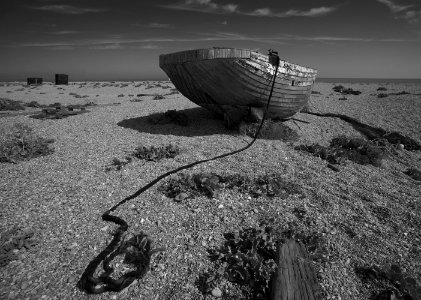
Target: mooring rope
<point x="141" y="243"/>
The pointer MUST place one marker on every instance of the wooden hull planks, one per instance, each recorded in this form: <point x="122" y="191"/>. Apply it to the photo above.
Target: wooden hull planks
<point x="218" y="78"/>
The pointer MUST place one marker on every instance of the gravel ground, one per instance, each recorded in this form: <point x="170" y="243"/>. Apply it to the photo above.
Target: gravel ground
<point x="364" y="214"/>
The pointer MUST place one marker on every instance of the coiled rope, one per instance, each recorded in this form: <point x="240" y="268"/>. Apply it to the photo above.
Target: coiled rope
<point x="140" y="244"/>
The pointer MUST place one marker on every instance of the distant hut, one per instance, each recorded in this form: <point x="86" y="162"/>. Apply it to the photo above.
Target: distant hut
<point x="62" y="79"/>
<point x="34" y="80"/>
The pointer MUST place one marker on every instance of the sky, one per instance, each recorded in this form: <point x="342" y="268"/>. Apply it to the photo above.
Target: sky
<point x="122" y="39"/>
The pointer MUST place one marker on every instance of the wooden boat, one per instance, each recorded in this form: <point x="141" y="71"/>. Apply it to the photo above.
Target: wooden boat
<point x="234" y="81"/>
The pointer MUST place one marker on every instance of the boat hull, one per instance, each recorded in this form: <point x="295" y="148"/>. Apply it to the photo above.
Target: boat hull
<point x="227" y="79"/>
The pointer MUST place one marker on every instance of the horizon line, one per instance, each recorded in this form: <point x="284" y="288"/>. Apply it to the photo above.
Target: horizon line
<point x="166" y="79"/>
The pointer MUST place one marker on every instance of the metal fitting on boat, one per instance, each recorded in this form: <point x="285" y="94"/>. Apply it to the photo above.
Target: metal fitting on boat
<point x="273" y="58"/>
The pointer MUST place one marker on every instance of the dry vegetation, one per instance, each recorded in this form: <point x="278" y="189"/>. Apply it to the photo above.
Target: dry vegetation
<point x="19" y="143"/>
<point x="345" y="181"/>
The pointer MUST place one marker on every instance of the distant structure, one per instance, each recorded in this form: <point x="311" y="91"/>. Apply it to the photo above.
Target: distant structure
<point x="62" y="79"/>
<point x="34" y="80"/>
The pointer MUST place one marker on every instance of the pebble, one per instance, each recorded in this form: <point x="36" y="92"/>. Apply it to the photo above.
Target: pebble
<point x="24" y="285"/>
<point x="180" y="197"/>
<point x="220" y="206"/>
<point x="216" y="292"/>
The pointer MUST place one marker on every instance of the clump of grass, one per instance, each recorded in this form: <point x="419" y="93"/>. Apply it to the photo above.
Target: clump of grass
<point x="395" y="138"/>
<point x="382" y="88"/>
<point x="345" y="91"/>
<point x="15" y="239"/>
<point x="156" y="153"/>
<point x="401" y="93"/>
<point x="158" y="97"/>
<point x="9" y="104"/>
<point x="172" y="92"/>
<point x="315" y="93"/>
<point x="90" y="103"/>
<point x="136" y="100"/>
<point x="121" y="95"/>
<point x="57" y="111"/>
<point x="359" y="150"/>
<point x="343" y="98"/>
<point x="117" y="164"/>
<point x="341" y="148"/>
<point x="382" y="95"/>
<point x="247" y="258"/>
<point x="34" y="104"/>
<point x="389" y="283"/>
<point x="413" y="173"/>
<point x="185" y="185"/>
<point x="270" y="130"/>
<point x="146" y="153"/>
<point x="55" y="104"/>
<point x="20" y="143"/>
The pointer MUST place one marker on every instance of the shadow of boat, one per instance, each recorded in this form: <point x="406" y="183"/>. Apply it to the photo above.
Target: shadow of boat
<point x="201" y="122"/>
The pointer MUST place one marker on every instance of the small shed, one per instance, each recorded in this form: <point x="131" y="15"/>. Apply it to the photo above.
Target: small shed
<point x="62" y="79"/>
<point x="34" y="80"/>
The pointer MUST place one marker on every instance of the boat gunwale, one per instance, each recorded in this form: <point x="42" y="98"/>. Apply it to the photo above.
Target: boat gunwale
<point x="193" y="55"/>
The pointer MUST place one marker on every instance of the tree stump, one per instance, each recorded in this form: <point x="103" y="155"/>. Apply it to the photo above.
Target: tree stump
<point x="295" y="278"/>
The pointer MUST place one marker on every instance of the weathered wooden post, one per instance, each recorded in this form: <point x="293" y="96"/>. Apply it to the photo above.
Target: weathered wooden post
<point x="62" y="79"/>
<point x="295" y="278"/>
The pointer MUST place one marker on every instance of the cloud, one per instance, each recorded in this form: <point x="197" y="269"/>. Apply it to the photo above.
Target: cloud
<point x="149" y="46"/>
<point x="395" y="8"/>
<point x="261" y="12"/>
<point x="61" y="48"/>
<point x="158" y="25"/>
<point x="58" y="44"/>
<point x="203" y="6"/>
<point x="112" y="46"/>
<point x="68" y="9"/>
<point x="230" y="8"/>
<point x="313" y="12"/>
<point x="63" y="32"/>
<point x="412" y="16"/>
<point x="207" y="6"/>
<point x="280" y="39"/>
